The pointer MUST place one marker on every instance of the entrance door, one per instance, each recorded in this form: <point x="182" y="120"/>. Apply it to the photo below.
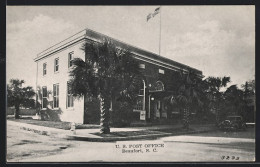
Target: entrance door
<point x="157" y="109"/>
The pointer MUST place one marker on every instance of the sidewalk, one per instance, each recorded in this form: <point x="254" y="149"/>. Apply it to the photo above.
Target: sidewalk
<point x="89" y="134"/>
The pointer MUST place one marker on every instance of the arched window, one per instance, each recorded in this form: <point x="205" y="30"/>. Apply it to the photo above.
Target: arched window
<point x="159" y="86"/>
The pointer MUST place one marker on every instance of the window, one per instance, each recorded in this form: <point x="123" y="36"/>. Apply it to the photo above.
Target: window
<point x="70" y="58"/>
<point x="56" y="65"/>
<point x="158" y="106"/>
<point x="55" y="95"/>
<point x="140" y="105"/>
<point x="161" y="71"/>
<point x="142" y="66"/>
<point x="159" y="86"/>
<point x="69" y="96"/>
<point x="44" y="68"/>
<point x="44" y="97"/>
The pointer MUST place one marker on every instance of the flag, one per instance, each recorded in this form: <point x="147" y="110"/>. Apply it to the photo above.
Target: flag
<point x="150" y="15"/>
<point x="156" y="11"/>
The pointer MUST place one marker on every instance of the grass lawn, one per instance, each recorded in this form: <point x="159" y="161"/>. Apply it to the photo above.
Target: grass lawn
<point x="128" y="133"/>
<point x="53" y="124"/>
<point x="174" y="130"/>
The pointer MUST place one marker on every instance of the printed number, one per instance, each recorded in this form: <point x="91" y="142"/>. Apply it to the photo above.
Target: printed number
<point x="223" y="157"/>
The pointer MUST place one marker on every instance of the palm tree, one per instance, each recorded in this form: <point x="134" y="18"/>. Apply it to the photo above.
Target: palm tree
<point x="188" y="96"/>
<point x="249" y="99"/>
<point x="107" y="72"/>
<point x="214" y="95"/>
<point x="18" y="95"/>
<point x="234" y="100"/>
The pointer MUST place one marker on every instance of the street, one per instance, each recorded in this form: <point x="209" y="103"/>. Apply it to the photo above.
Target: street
<point x="25" y="146"/>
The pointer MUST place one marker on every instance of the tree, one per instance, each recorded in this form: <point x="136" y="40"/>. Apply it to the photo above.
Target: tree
<point x="107" y="72"/>
<point x="188" y="96"/>
<point x="234" y="100"/>
<point x="18" y="95"/>
<point x="214" y="95"/>
<point x="248" y="88"/>
<point x="249" y="99"/>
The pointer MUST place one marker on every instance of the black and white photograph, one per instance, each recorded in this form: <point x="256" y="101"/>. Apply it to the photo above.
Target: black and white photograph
<point x="150" y="83"/>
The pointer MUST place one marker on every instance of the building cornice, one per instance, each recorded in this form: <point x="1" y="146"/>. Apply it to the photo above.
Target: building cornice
<point x="90" y="35"/>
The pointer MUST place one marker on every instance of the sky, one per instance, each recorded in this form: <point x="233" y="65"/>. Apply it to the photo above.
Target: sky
<point x="218" y="40"/>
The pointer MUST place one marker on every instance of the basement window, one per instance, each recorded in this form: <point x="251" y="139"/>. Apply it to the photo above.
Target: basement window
<point x="142" y="66"/>
<point x="161" y="71"/>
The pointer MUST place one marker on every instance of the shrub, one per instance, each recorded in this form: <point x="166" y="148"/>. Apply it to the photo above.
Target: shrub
<point x="50" y="115"/>
<point x="122" y="114"/>
<point x="10" y="111"/>
<point x="91" y="111"/>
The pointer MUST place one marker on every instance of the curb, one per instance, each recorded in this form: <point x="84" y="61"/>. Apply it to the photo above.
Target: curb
<point x="40" y="130"/>
<point x="110" y="139"/>
<point x="44" y="132"/>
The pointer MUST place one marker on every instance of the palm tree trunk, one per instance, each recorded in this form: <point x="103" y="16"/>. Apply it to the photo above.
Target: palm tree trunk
<point x="186" y="118"/>
<point x="17" y="112"/>
<point x="104" y="117"/>
<point x="217" y="115"/>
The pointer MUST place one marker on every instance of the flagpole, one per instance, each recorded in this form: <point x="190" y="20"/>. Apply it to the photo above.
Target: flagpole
<point x="160" y="32"/>
<point x="151" y="15"/>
